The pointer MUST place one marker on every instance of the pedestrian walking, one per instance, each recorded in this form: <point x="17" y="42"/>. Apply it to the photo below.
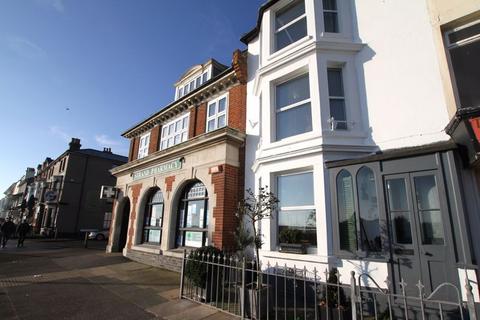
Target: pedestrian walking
<point x="8" y="229"/>
<point x="22" y="231"/>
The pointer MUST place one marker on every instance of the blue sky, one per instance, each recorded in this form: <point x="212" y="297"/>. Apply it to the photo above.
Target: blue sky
<point x="110" y="62"/>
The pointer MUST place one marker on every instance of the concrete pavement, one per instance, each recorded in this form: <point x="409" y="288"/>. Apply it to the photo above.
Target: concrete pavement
<point x="59" y="279"/>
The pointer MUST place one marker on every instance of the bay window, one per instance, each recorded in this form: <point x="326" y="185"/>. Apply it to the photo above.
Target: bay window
<point x="463" y="44"/>
<point x="297" y="206"/>
<point x="143" y="146"/>
<point x="290" y="24"/>
<point x="292" y="107"/>
<point x="338" y="113"/>
<point x="330" y="16"/>
<point x="217" y="113"/>
<point x="174" y="132"/>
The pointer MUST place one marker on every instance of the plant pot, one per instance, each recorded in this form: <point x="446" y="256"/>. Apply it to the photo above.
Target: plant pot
<point x="255" y="301"/>
<point x="334" y="313"/>
<point x="297" y="248"/>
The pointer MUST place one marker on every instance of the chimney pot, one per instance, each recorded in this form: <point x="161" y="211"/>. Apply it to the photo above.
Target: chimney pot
<point x="74" y="144"/>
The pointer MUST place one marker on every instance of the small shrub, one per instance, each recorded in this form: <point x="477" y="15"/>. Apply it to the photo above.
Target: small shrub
<point x="196" y="268"/>
<point x="290" y="236"/>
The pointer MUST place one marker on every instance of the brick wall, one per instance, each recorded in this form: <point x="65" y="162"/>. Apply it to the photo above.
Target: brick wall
<point x="156" y="260"/>
<point x="134" y="144"/>
<point x="133" y="213"/>
<point x="154" y="139"/>
<point x="237" y="103"/>
<point x="192" y="122"/>
<point x="201" y="119"/>
<point x="226" y="188"/>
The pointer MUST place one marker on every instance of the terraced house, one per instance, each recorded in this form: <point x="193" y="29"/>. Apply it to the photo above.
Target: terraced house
<point x="185" y="172"/>
<point x="347" y="104"/>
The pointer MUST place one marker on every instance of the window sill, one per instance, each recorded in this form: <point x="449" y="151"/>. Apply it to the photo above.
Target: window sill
<point x="147" y="248"/>
<point x="290" y="47"/>
<point x="343" y="256"/>
<point x="311" y="256"/>
<point x="290" y="140"/>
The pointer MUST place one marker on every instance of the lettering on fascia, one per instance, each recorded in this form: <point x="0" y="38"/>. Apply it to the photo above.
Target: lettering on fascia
<point x="164" y="167"/>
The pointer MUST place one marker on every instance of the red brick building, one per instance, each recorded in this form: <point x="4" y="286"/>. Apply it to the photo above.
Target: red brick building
<point x="185" y="172"/>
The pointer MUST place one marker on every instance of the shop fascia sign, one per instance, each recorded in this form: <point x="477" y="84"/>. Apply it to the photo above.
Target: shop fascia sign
<point x="162" y="168"/>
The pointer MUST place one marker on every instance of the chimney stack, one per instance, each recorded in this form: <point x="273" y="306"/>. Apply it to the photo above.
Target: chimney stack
<point x="107" y="150"/>
<point x="74" y="144"/>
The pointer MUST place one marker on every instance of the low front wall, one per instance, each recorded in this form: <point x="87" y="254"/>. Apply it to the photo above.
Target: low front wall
<point x="155" y="260"/>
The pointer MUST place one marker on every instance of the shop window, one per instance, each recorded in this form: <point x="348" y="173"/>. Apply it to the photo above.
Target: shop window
<point x="217" y="113"/>
<point x="290" y="24"/>
<point x="292" y="107"/>
<point x="330" y="16"/>
<point x="193" y="217"/>
<point x="297" y="206"/>
<point x="464" y="48"/>
<point x="143" y="146"/>
<point x="174" y="132"/>
<point x="347" y="224"/>
<point x="336" y="95"/>
<point x="153" y="219"/>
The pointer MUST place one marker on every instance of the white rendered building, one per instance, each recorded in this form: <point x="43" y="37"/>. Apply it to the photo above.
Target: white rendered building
<point x="346" y="117"/>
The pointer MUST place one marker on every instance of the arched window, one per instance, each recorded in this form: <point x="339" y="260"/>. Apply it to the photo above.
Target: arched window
<point x="368" y="208"/>
<point x="346" y="212"/>
<point x="193" y="216"/>
<point x="153" y="219"/>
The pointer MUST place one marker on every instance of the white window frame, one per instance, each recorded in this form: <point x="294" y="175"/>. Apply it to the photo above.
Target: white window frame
<point x="275" y="30"/>
<point x="168" y="135"/>
<point x="293" y="76"/>
<point x="332" y="11"/>
<point x="333" y="123"/>
<point x="294" y="208"/>
<point x="217" y="114"/>
<point x="143" y="147"/>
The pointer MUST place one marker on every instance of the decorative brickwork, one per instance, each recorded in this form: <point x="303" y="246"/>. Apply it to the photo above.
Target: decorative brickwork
<point x="168" y="183"/>
<point x="112" y="223"/>
<point x="226" y="188"/>
<point x="154" y="139"/>
<point x="240" y="65"/>
<point x="133" y="213"/>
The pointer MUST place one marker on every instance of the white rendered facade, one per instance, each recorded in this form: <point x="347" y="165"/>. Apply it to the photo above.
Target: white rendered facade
<point x="393" y="98"/>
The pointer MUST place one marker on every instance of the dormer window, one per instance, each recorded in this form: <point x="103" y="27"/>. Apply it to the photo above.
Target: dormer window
<point x="192" y="84"/>
<point x="290" y="24"/>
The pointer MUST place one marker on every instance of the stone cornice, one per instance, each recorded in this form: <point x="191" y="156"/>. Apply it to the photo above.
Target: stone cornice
<point x="196" y="97"/>
<point x="224" y="135"/>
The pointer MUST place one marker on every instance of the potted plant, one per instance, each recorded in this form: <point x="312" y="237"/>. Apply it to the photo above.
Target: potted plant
<point x="251" y="211"/>
<point x="291" y="242"/>
<point x="200" y="275"/>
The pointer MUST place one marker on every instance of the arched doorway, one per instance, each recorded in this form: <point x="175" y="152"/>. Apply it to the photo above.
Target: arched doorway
<point x="124" y="218"/>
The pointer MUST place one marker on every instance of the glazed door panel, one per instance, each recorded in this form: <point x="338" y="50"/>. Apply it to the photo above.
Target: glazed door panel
<point x="420" y="237"/>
